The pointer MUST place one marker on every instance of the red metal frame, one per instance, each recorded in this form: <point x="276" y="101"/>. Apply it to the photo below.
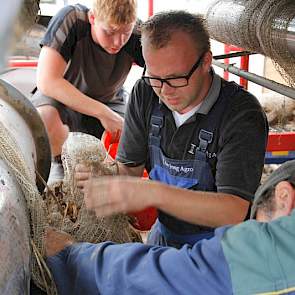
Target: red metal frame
<point x="244" y="64"/>
<point x="276" y="141"/>
<point x="281" y="141"/>
<point x="151" y="8"/>
<point x="15" y="63"/>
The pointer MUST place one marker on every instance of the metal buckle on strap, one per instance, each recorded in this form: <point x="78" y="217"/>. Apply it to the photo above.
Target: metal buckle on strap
<point x="155" y="129"/>
<point x="206" y="135"/>
<point x="156" y="125"/>
<point x="205" y="138"/>
<point x="155" y="120"/>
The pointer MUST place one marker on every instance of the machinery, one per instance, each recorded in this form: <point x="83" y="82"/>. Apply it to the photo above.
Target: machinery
<point x="20" y="119"/>
<point x="258" y="26"/>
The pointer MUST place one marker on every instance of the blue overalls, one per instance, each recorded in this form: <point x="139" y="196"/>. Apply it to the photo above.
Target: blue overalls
<point x="190" y="174"/>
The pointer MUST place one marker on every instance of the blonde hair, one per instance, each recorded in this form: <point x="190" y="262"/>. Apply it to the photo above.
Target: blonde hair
<point x="119" y="12"/>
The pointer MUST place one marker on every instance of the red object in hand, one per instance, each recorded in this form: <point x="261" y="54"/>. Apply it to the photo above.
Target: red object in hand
<point x="110" y="145"/>
<point x="141" y="220"/>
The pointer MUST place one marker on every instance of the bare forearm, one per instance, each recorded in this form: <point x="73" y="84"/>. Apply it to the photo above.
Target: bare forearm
<point x="51" y="82"/>
<point x="205" y="208"/>
<point x="63" y="91"/>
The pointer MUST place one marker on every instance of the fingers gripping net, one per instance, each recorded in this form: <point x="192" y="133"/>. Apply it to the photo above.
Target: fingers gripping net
<point x="67" y="207"/>
<point x="88" y="150"/>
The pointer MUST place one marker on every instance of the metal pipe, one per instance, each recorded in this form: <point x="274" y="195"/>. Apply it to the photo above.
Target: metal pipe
<point x="14" y="103"/>
<point x="244" y="66"/>
<point x="267" y="83"/>
<point x="227" y="23"/>
<point x="234" y="54"/>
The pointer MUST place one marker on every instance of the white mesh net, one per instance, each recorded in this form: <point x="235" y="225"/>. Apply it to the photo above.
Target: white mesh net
<point x="62" y="204"/>
<point x="65" y="200"/>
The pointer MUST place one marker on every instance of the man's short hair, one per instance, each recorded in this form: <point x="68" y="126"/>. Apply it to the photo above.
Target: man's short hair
<point x="160" y="28"/>
<point x="265" y="193"/>
<point x="117" y="12"/>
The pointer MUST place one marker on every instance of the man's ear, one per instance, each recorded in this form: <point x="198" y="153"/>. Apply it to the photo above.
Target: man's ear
<point x="91" y="17"/>
<point x="207" y="61"/>
<point x="285" y="198"/>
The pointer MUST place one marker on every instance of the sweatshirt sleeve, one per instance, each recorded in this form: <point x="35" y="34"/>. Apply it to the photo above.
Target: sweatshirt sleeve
<point x="108" y="268"/>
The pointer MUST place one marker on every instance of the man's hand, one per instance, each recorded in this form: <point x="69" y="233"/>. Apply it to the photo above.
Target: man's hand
<point x="82" y="175"/>
<point x="112" y="122"/>
<point x="56" y="240"/>
<point x="117" y="194"/>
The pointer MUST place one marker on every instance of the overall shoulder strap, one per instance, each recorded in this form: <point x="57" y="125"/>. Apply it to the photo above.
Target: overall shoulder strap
<point x="156" y="123"/>
<point x="214" y="117"/>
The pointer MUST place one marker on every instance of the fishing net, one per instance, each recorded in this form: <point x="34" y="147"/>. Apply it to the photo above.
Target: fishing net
<point x="37" y="212"/>
<point x="62" y="204"/>
<point x="65" y="201"/>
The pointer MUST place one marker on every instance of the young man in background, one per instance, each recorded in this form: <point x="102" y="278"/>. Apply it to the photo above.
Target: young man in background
<point x="85" y="58"/>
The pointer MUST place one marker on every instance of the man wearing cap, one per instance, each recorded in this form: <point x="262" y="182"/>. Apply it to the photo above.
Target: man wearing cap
<point x="254" y="257"/>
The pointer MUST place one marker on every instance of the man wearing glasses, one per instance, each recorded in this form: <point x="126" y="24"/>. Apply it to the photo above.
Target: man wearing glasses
<point x="190" y="129"/>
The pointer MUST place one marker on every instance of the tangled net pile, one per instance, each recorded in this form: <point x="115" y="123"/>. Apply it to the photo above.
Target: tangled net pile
<point x="67" y="209"/>
<point x="62" y="205"/>
<point x="256" y="25"/>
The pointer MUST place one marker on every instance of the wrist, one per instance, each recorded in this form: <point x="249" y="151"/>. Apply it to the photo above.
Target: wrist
<point x="100" y="110"/>
<point x="155" y="194"/>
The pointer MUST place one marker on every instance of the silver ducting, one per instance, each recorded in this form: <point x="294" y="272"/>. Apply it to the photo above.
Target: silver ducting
<point x="262" y="26"/>
<point x="245" y="23"/>
<point x="290" y="36"/>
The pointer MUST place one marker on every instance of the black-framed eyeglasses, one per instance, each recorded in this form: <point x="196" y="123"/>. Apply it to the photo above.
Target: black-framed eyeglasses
<point x="175" y="82"/>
